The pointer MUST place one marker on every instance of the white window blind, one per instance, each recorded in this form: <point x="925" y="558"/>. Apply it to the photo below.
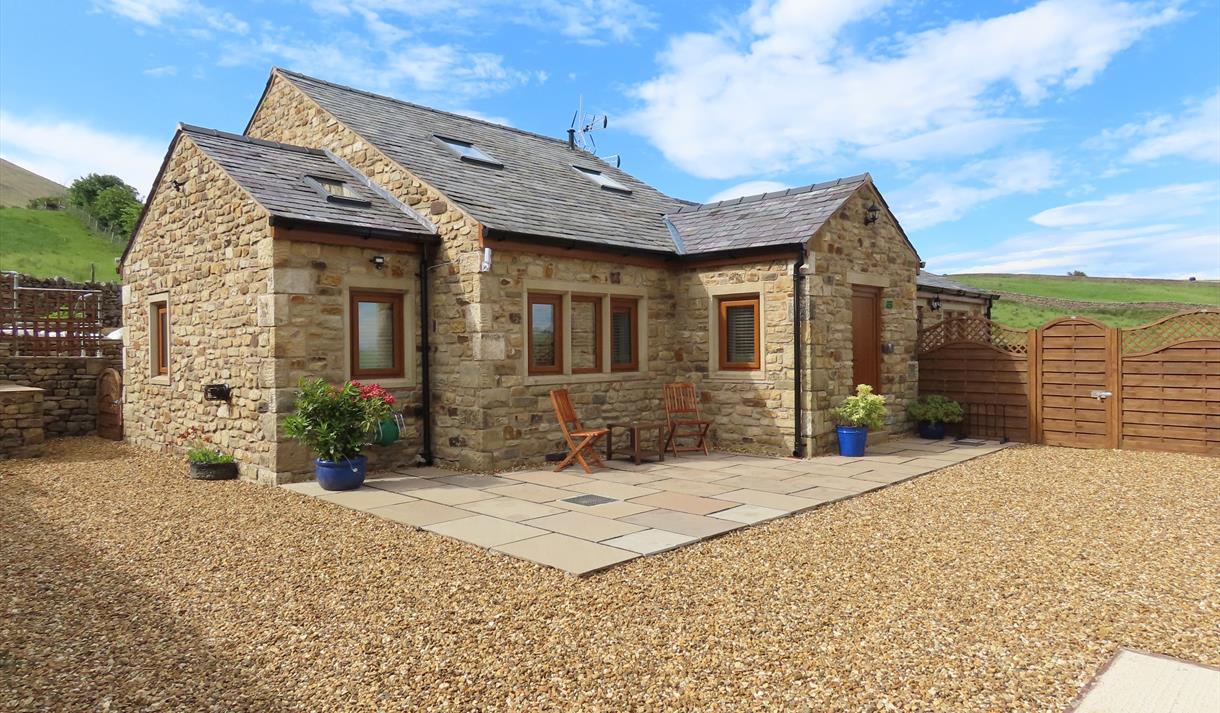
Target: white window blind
<point x="621" y="337"/>
<point x="376" y="335"/>
<point x="739" y="334"/>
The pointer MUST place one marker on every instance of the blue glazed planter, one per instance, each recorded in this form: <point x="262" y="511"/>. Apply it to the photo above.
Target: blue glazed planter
<point x="932" y="430"/>
<point x="852" y="440"/>
<point x="347" y="474"/>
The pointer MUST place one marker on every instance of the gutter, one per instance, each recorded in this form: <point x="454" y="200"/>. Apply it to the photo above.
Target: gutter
<point x="425" y="352"/>
<point x="798" y="333"/>
<point x="278" y="221"/>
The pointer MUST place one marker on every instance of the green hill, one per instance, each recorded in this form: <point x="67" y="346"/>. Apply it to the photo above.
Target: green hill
<point x="18" y="186"/>
<point x="1032" y="300"/>
<point x="47" y="243"/>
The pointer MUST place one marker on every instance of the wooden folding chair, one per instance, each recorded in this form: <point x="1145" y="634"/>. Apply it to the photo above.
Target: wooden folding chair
<point x="682" y="413"/>
<point x="574" y="431"/>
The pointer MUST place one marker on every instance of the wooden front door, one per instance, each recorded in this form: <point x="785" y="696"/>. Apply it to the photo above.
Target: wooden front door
<point x="1076" y="374"/>
<point x="110" y="405"/>
<point x="866" y="336"/>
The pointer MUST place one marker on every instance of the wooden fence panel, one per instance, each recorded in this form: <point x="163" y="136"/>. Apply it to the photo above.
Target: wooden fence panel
<point x="1074" y="361"/>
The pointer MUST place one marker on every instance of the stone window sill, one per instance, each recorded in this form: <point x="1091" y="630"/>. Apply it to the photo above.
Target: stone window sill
<point x="159" y="381"/>
<point x="560" y="379"/>
<point x="745" y="377"/>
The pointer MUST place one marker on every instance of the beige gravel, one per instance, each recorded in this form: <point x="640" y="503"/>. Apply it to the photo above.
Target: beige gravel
<point x="999" y="584"/>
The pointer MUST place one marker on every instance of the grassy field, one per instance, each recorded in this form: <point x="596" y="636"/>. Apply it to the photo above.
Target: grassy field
<point x="54" y="244"/>
<point x="1025" y="316"/>
<point x="1099" y="289"/>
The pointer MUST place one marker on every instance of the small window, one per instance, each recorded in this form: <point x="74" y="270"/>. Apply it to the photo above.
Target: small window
<point x="377" y="334"/>
<point x="601" y="179"/>
<point x="337" y="191"/>
<point x="159" y="341"/>
<point x="546" y="334"/>
<point x="468" y="151"/>
<point x="739" y="327"/>
<point x="624" y="335"/>
<point x="586" y="329"/>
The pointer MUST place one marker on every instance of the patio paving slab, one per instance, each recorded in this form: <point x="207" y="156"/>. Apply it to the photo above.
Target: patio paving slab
<point x="571" y="554"/>
<point x="854" y="485"/>
<point x="531" y="492"/>
<point x="364" y="498"/>
<point x="401" y="484"/>
<point x="310" y="487"/>
<point x="628" y="477"/>
<point x="768" y="485"/>
<point x="451" y="494"/>
<point x="618" y="491"/>
<point x="650" y="542"/>
<point x="510" y="508"/>
<point x="682" y="502"/>
<point x="691" y="487"/>
<point x="749" y="514"/>
<point x="886" y="477"/>
<point x="548" y="478"/>
<point x="682" y="523"/>
<point x="826" y="495"/>
<point x="485" y="531"/>
<point x="1137" y="682"/>
<point x="419" y="513"/>
<point x="586" y="527"/>
<point x="478" y="482"/>
<point x="705" y="476"/>
<point x="787" y="503"/>
<point x="612" y="510"/>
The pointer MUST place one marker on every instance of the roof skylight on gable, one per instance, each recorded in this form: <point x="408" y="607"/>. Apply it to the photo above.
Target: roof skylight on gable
<point x="336" y="191"/>
<point x="467" y="151"/>
<point x="606" y="182"/>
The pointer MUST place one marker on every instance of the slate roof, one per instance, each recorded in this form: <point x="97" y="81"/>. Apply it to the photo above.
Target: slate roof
<point x="940" y="283"/>
<point x="535" y="191"/>
<point x="767" y="219"/>
<point x="274" y="175"/>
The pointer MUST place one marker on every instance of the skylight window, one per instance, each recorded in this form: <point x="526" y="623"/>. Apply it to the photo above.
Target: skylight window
<point x="337" y="191"/>
<point x="468" y="151"/>
<point x="601" y="179"/>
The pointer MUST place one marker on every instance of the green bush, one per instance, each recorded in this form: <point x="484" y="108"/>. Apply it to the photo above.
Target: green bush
<point x="200" y="449"/>
<point x="335" y="421"/>
<point x="863" y="409"/>
<point x="935" y="408"/>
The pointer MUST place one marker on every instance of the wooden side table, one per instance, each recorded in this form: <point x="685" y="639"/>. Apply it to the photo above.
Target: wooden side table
<point x="633" y="429"/>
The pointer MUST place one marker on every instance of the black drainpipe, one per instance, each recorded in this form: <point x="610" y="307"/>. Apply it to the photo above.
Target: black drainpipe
<point x="798" y="317"/>
<point x="425" y="351"/>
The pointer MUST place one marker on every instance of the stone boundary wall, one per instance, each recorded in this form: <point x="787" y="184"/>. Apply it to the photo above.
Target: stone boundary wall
<point x="112" y="299"/>
<point x="69" y="406"/>
<point x="21" y="429"/>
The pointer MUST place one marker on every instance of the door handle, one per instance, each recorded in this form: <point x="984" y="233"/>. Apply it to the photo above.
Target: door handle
<point x="1101" y="395"/>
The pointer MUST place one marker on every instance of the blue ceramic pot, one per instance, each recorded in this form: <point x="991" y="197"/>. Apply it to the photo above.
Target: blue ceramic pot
<point x="346" y="474"/>
<point x="852" y="440"/>
<point x="932" y="430"/>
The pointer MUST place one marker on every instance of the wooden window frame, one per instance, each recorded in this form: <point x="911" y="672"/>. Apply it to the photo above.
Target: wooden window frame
<point x="396" y="300"/>
<point x="160" y="337"/>
<point x="556" y="303"/>
<point x="632" y="306"/>
<point x="598" y="341"/>
<point x="723" y="303"/>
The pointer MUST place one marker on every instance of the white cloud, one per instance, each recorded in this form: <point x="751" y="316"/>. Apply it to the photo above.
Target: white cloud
<point x="1179" y="199"/>
<point x="1194" y="133"/>
<point x="168" y="70"/>
<point x="781" y="89"/>
<point x="64" y="150"/>
<point x="186" y="15"/>
<point x="937" y="198"/>
<point x="749" y="188"/>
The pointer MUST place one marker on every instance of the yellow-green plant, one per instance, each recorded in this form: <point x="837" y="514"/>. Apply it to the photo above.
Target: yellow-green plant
<point x="864" y="409"/>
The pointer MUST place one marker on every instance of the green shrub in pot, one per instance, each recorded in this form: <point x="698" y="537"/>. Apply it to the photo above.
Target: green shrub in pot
<point x="932" y="412"/>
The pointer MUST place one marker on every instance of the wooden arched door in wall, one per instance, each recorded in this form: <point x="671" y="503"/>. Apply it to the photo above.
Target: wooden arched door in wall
<point x="110" y="405"/>
<point x="866" y="336"/>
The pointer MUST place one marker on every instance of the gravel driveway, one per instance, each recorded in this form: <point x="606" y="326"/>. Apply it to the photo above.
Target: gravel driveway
<point x="998" y="584"/>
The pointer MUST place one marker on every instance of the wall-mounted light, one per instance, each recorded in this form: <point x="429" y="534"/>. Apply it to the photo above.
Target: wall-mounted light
<point x="177" y="185"/>
<point x="935" y="304"/>
<point x="872" y="211"/>
<point x="378" y="261"/>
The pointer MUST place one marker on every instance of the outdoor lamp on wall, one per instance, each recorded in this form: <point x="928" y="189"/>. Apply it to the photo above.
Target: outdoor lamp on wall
<point x="378" y="261"/>
<point x="872" y="211"/>
<point x="935" y="304"/>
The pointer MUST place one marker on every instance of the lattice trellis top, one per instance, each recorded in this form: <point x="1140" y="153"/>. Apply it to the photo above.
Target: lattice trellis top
<point x="971" y="328"/>
<point x="1182" y="327"/>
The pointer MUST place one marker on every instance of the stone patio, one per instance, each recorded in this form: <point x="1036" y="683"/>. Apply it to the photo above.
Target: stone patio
<point x="584" y="523"/>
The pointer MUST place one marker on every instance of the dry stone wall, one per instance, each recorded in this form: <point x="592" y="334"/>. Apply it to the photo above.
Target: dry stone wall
<point x="69" y="384"/>
<point x="21" y="422"/>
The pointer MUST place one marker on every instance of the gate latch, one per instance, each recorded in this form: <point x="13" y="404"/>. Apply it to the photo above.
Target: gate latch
<point x="1101" y="395"/>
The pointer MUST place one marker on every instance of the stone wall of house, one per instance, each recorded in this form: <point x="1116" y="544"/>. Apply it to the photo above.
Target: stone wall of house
<point x="69" y="384"/>
<point x="309" y="308"/>
<point x="207" y="247"/>
<point x="848" y="251"/>
<point x="460" y="313"/>
<point x="21" y="423"/>
<point x="950" y="305"/>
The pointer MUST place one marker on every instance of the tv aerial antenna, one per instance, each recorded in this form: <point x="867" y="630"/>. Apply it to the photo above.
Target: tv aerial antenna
<point x="583" y="126"/>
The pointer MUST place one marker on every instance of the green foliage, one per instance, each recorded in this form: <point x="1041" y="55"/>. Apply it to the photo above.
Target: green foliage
<point x="111" y="202"/>
<point x="935" y="408"/>
<point x="207" y="456"/>
<point x="85" y="190"/>
<point x="863" y="409"/>
<point x="47" y="243"/>
<point x="333" y="421"/>
<point x="1025" y="316"/>
<point x="46" y="203"/>
<point x="1099" y="289"/>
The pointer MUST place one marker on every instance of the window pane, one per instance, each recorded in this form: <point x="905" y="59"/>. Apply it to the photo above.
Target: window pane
<point x="621" y="336"/>
<point x="739" y="331"/>
<point x="542" y="341"/>
<point x="376" y="335"/>
<point x="584" y="326"/>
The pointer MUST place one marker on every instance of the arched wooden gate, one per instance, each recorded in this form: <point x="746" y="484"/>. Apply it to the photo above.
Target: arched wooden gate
<point x="1076" y="376"/>
<point x="110" y="405"/>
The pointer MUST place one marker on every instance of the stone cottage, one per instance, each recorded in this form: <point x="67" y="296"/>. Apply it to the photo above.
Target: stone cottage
<point x="471" y="267"/>
<point x="938" y="297"/>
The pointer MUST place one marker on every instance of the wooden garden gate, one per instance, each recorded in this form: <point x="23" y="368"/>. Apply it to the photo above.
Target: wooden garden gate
<point x="1076" y="382"/>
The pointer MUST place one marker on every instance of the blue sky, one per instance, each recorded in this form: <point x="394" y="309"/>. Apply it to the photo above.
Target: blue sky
<point x="1007" y="136"/>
